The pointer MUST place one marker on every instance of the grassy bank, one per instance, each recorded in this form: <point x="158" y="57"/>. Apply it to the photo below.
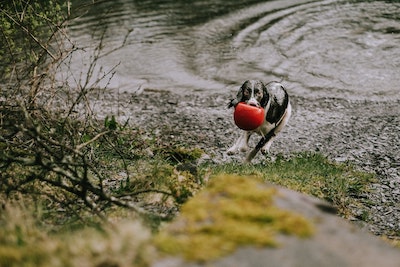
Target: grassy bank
<point x="313" y="174"/>
<point x="157" y="178"/>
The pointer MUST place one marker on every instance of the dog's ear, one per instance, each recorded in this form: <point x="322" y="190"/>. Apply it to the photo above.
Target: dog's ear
<point x="239" y="97"/>
<point x="265" y="98"/>
<point x="233" y="103"/>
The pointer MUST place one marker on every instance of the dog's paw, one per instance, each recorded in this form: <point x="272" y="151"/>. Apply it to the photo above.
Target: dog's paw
<point x="264" y="151"/>
<point x="231" y="151"/>
<point x="243" y="148"/>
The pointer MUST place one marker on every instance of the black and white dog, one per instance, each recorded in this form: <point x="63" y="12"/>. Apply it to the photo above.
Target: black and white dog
<point x="275" y="101"/>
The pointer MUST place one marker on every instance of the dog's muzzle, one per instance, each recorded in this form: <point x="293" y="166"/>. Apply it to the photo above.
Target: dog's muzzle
<point x="253" y="102"/>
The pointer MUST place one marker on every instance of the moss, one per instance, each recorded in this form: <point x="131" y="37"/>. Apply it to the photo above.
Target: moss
<point x="232" y="211"/>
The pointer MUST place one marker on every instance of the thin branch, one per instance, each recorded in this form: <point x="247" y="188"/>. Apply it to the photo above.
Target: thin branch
<point x="34" y="38"/>
<point x="145" y="191"/>
<point x="79" y="147"/>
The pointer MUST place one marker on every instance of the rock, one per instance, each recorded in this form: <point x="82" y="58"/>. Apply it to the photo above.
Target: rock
<point x="335" y="241"/>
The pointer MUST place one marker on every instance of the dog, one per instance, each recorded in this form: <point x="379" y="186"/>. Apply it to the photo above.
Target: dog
<point x="275" y="101"/>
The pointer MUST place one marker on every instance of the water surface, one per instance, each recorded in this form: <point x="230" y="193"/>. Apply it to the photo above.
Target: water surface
<point x="345" y="49"/>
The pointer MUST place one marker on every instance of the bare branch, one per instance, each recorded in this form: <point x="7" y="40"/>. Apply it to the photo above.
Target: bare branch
<point x="34" y="38"/>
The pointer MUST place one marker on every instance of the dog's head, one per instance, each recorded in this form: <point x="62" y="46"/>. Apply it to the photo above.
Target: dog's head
<point x="251" y="92"/>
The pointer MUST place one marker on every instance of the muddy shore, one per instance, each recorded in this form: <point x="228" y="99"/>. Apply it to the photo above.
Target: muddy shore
<point x="366" y="133"/>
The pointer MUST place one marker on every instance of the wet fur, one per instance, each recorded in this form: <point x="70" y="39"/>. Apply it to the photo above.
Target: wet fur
<point x="275" y="100"/>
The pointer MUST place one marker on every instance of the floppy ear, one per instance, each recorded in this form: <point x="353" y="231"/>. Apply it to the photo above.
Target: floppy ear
<point x="265" y="98"/>
<point x="239" y="98"/>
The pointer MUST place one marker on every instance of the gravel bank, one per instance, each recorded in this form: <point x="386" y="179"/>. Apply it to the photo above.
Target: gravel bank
<point x="364" y="132"/>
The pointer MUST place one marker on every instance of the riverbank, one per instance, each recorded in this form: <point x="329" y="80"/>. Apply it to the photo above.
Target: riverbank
<point x="364" y="133"/>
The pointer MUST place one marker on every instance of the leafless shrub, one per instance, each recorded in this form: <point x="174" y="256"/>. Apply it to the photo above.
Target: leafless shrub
<point x="49" y="135"/>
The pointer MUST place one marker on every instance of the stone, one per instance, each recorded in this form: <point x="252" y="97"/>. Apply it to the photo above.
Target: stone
<point x="335" y="242"/>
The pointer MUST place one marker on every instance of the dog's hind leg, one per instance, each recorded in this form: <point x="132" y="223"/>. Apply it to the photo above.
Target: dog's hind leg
<point x="266" y="147"/>
<point x="264" y="141"/>
<point x="281" y="124"/>
<point x="277" y="129"/>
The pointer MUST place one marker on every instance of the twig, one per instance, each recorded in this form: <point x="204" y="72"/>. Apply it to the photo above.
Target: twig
<point x="79" y="147"/>
<point x="34" y="38"/>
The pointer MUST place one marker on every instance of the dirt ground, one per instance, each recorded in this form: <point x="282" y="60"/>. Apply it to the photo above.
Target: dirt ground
<point x="365" y="133"/>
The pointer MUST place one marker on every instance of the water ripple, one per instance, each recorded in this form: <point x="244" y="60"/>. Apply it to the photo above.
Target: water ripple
<point x="330" y="48"/>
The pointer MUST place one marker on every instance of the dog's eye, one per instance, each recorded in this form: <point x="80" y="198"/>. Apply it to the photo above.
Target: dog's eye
<point x="257" y="92"/>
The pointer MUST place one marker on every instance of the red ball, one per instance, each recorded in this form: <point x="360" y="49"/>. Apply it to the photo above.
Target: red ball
<point x="248" y="117"/>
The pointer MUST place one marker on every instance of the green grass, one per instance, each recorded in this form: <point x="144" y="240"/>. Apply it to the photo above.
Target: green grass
<point x="310" y="173"/>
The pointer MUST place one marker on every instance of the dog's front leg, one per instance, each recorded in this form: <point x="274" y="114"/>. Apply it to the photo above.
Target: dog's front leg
<point x="241" y="144"/>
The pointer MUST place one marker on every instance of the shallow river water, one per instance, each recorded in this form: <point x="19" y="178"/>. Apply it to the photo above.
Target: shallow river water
<point x="344" y="49"/>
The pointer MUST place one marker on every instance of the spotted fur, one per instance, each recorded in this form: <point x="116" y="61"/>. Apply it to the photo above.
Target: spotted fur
<point x="275" y="100"/>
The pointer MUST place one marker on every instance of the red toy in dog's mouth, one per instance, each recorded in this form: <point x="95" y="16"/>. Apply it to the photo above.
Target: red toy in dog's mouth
<point x="248" y="117"/>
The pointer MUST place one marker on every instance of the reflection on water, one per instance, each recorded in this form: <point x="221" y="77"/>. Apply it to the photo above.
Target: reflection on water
<point x="319" y="48"/>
